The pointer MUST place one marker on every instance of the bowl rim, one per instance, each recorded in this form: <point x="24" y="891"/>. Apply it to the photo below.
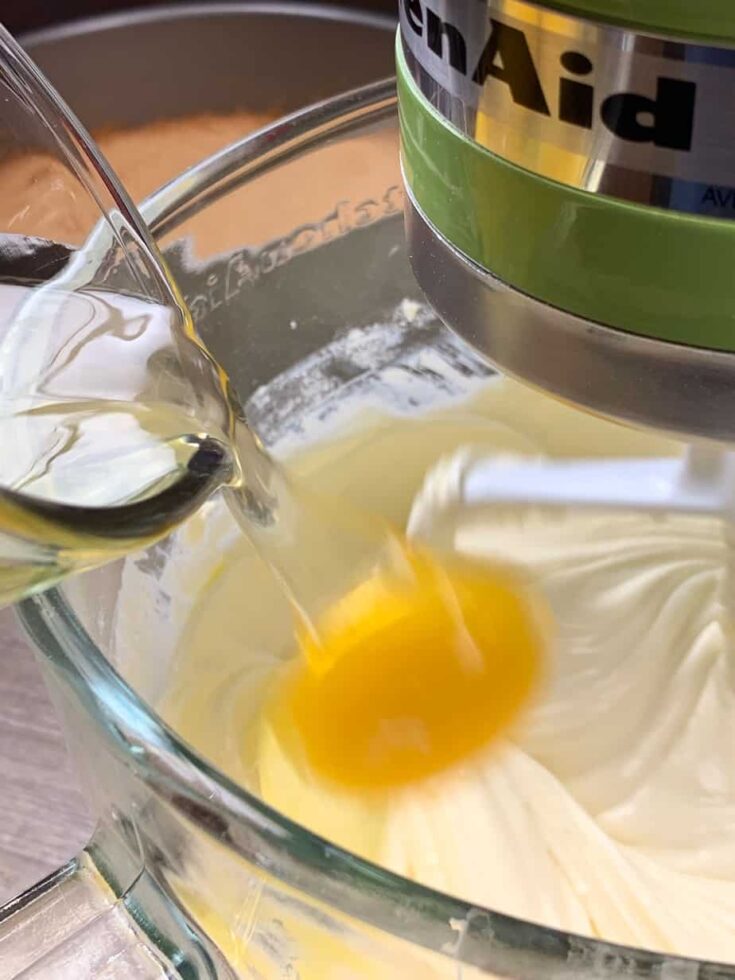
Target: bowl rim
<point x="99" y="23"/>
<point x="279" y="847"/>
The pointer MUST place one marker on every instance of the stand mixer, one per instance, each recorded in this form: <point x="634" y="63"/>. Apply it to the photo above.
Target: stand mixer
<point x="570" y="191"/>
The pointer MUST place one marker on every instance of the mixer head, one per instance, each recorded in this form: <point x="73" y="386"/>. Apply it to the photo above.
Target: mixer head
<point x="570" y="174"/>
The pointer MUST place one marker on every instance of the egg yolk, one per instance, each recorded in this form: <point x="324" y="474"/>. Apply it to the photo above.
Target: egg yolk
<point x="411" y="672"/>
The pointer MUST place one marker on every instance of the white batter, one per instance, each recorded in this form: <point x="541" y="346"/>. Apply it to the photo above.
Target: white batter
<point x="611" y="809"/>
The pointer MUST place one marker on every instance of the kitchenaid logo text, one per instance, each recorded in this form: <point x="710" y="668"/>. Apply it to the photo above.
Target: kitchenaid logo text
<point x="220" y="282"/>
<point x="565" y="90"/>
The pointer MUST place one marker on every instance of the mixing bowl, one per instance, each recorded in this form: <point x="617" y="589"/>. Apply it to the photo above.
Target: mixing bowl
<point x="309" y="301"/>
<point x="229" y="50"/>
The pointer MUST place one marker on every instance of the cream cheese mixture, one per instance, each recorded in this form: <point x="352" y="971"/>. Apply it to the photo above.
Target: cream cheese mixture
<point x="610" y="809"/>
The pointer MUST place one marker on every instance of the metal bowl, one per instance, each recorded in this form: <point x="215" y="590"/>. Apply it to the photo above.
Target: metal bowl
<point x="167" y="62"/>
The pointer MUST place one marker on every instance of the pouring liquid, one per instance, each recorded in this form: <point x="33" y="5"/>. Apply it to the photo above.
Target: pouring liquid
<point x="116" y="425"/>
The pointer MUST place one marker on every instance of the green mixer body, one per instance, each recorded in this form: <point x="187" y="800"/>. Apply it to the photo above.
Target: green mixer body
<point x="570" y="170"/>
<point x="701" y="20"/>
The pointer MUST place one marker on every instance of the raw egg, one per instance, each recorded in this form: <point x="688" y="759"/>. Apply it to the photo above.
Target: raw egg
<point x="412" y="671"/>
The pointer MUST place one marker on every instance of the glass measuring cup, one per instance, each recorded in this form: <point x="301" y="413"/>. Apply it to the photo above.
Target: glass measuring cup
<point x="189" y="873"/>
<point x="116" y="422"/>
<point x="113" y="423"/>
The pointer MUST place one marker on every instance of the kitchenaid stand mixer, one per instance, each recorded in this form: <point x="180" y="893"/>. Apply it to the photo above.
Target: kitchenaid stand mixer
<point x="570" y="171"/>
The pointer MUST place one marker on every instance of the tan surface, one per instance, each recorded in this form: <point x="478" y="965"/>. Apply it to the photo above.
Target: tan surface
<point x="41" y="197"/>
<point x="148" y="157"/>
<point x="302" y="192"/>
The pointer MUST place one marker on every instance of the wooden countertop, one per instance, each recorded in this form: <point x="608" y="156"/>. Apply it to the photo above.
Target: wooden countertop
<point x="43" y="817"/>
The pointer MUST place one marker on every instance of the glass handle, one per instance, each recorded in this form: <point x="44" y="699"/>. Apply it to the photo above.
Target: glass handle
<point x="71" y="926"/>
